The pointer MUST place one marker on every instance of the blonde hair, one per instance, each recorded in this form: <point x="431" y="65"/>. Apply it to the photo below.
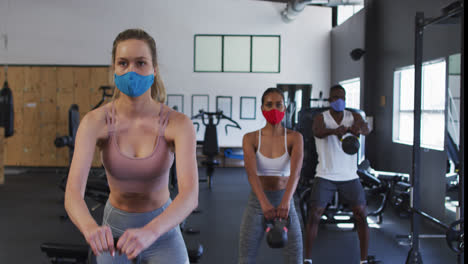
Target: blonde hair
<point x="158" y="90"/>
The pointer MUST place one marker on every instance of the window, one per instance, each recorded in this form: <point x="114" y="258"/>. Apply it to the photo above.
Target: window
<point x="347" y="11"/>
<point x="353" y="92"/>
<point x="353" y="100"/>
<point x="237" y="53"/>
<point x="433" y="105"/>
<point x="298" y="101"/>
<point x="453" y="110"/>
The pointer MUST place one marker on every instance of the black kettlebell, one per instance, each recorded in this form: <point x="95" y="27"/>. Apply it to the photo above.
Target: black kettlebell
<point x="350" y="144"/>
<point x="276" y="232"/>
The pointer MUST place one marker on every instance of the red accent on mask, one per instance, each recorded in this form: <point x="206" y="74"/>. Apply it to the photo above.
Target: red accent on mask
<point x="273" y="116"/>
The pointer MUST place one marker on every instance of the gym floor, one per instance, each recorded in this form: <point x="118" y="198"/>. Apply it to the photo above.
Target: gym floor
<point x="31" y="205"/>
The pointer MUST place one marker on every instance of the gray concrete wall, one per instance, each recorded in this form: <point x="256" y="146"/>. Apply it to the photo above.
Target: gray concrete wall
<point x="344" y="38"/>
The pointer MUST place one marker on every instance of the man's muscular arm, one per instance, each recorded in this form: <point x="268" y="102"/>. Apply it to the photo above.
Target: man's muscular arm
<point x="321" y="131"/>
<point x="360" y="127"/>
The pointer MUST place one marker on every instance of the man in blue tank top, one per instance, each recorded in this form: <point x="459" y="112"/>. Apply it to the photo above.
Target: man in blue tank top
<point x="336" y="170"/>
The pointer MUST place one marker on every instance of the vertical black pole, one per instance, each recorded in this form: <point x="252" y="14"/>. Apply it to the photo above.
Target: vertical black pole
<point x="414" y="256"/>
<point x="461" y="173"/>
<point x="334" y="16"/>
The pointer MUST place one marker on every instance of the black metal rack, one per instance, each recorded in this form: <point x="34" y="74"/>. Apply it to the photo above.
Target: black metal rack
<point x="454" y="13"/>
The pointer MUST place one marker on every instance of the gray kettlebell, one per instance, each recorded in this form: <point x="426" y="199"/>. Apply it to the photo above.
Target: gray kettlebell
<point x="350" y="144"/>
<point x="276" y="232"/>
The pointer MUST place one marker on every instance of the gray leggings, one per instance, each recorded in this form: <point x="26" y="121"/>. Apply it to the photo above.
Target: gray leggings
<point x="169" y="248"/>
<point x="251" y="233"/>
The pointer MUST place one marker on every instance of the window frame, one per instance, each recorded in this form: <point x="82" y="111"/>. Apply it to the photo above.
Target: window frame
<point x="397" y="108"/>
<point x="348" y="81"/>
<point x="222" y="53"/>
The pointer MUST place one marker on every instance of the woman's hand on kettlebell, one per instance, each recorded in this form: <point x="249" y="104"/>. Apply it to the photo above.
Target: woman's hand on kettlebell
<point x="100" y="240"/>
<point x="283" y="210"/>
<point x="134" y="241"/>
<point x="269" y="211"/>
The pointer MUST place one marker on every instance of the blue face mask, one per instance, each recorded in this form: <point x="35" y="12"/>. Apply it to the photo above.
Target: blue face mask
<point x="339" y="105"/>
<point x="133" y="84"/>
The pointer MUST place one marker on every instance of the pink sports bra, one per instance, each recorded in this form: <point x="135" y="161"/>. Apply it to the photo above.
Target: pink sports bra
<point x="122" y="167"/>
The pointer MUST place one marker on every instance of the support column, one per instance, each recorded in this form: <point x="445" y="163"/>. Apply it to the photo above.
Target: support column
<point x="2" y="155"/>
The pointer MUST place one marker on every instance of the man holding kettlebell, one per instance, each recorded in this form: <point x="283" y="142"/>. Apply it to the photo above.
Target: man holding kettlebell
<point x="336" y="169"/>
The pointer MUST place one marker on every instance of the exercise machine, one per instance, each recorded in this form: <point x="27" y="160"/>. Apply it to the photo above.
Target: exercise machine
<point x="210" y="140"/>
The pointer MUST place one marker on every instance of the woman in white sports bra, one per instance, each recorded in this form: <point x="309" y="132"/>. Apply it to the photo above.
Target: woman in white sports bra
<point x="273" y="160"/>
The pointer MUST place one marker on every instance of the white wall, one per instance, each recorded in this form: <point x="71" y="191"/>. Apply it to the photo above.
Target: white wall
<point x="81" y="32"/>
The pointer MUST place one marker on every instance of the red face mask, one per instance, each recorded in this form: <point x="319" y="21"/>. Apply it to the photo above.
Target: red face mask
<point x="273" y="116"/>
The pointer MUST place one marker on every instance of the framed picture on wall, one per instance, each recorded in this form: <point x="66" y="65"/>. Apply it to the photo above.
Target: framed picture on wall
<point x="176" y="102"/>
<point x="224" y="103"/>
<point x="200" y="102"/>
<point x="248" y="107"/>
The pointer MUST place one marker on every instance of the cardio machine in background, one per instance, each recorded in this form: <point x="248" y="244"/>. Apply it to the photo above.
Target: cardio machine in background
<point x="210" y="140"/>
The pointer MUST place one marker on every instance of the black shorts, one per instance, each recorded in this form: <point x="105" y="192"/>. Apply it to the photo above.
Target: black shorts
<point x="323" y="191"/>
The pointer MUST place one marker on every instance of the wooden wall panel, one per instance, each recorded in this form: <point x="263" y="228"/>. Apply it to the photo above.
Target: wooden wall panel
<point x="48" y="99"/>
<point x="48" y="115"/>
<point x="48" y="151"/>
<point x="31" y="119"/>
<point x="81" y="85"/>
<point x="42" y="97"/>
<point x="64" y="80"/>
<point x="31" y="155"/>
<point x="98" y="78"/>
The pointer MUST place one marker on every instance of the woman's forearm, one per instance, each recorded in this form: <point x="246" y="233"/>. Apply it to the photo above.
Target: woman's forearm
<point x="78" y="211"/>
<point x="184" y="203"/>
<point x="291" y="187"/>
<point x="257" y="188"/>
<point x="297" y="157"/>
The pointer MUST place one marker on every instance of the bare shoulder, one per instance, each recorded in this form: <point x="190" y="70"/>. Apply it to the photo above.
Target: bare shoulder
<point x="357" y="116"/>
<point x="250" y="137"/>
<point x="97" y="116"/>
<point x="178" y="123"/>
<point x="318" y="117"/>
<point x="249" y="141"/>
<point x="95" y="121"/>
<point x="177" y="119"/>
<point x="294" y="135"/>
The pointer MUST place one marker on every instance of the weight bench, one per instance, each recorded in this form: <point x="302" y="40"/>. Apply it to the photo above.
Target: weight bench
<point x="66" y="253"/>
